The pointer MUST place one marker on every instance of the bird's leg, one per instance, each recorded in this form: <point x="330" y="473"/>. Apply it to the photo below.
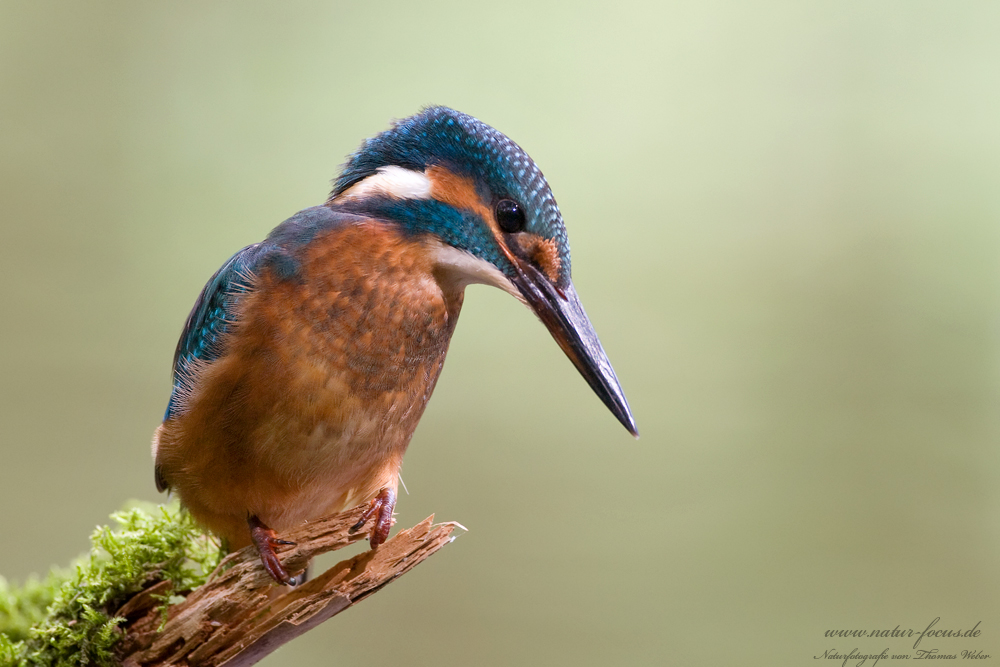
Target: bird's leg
<point x="265" y="540"/>
<point x="381" y="508"/>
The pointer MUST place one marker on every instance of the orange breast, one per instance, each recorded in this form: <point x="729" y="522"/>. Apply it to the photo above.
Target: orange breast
<point x="321" y="386"/>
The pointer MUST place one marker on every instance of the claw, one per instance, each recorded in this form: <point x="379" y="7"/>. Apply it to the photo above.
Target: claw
<point x="381" y="508"/>
<point x="265" y="541"/>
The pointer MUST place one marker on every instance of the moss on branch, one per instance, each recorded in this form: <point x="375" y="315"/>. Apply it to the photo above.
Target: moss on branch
<point x="69" y="618"/>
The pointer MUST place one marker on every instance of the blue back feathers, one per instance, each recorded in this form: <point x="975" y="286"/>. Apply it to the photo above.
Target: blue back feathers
<point x="215" y="310"/>
<point x="469" y="147"/>
<point x="200" y="340"/>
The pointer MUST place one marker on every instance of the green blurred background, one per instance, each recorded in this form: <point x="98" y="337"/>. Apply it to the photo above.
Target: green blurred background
<point x="784" y="219"/>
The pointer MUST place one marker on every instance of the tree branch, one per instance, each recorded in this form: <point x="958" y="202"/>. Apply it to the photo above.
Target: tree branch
<point x="240" y="615"/>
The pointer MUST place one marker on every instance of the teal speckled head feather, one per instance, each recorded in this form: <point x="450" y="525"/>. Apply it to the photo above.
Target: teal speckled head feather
<point x="500" y="169"/>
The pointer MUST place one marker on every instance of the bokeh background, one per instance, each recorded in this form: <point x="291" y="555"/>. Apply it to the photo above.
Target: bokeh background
<point x="784" y="220"/>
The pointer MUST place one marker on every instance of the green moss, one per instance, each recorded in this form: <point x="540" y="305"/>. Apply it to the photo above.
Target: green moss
<point x="69" y="617"/>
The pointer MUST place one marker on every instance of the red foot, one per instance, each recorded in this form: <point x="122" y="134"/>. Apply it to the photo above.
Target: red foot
<point x="381" y="508"/>
<point x="265" y="540"/>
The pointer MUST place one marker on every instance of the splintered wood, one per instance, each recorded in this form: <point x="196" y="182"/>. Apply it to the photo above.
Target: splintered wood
<point x="240" y="615"/>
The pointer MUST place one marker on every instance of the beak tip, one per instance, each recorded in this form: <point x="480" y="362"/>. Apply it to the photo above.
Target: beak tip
<point x="629" y="423"/>
<point x="621" y="410"/>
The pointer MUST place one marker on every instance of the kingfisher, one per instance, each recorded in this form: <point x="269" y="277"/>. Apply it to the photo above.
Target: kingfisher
<point x="308" y="358"/>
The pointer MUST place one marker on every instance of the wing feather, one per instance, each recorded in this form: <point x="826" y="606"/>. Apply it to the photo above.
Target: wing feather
<point x="203" y="338"/>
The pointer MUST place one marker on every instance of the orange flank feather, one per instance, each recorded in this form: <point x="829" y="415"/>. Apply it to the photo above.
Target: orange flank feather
<point x="323" y="379"/>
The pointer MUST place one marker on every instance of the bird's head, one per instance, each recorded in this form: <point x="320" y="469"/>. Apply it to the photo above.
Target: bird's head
<point x="487" y="213"/>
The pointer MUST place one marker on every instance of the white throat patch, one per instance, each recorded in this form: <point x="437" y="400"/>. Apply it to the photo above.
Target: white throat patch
<point x="391" y="181"/>
<point x="463" y="268"/>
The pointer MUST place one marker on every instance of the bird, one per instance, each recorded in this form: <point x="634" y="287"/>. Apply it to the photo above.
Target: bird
<point x="308" y="358"/>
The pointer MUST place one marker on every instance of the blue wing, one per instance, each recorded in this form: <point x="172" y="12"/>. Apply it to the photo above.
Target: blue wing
<point x="203" y="338"/>
<point x="213" y="314"/>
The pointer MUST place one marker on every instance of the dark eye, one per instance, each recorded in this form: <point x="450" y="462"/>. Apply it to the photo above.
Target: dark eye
<point x="510" y="216"/>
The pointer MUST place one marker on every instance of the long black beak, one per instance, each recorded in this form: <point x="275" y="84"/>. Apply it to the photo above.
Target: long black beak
<point x="562" y="314"/>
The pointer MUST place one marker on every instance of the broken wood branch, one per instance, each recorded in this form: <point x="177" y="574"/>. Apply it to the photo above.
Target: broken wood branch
<point x="240" y="615"/>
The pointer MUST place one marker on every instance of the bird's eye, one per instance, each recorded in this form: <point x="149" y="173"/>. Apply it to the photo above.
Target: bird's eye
<point x="510" y="216"/>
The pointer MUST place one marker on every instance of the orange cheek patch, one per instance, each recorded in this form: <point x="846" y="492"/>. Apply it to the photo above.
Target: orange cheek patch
<point x="542" y="252"/>
<point x="457" y="191"/>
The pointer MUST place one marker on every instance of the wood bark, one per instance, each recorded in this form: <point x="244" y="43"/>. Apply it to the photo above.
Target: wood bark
<point x="240" y="615"/>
